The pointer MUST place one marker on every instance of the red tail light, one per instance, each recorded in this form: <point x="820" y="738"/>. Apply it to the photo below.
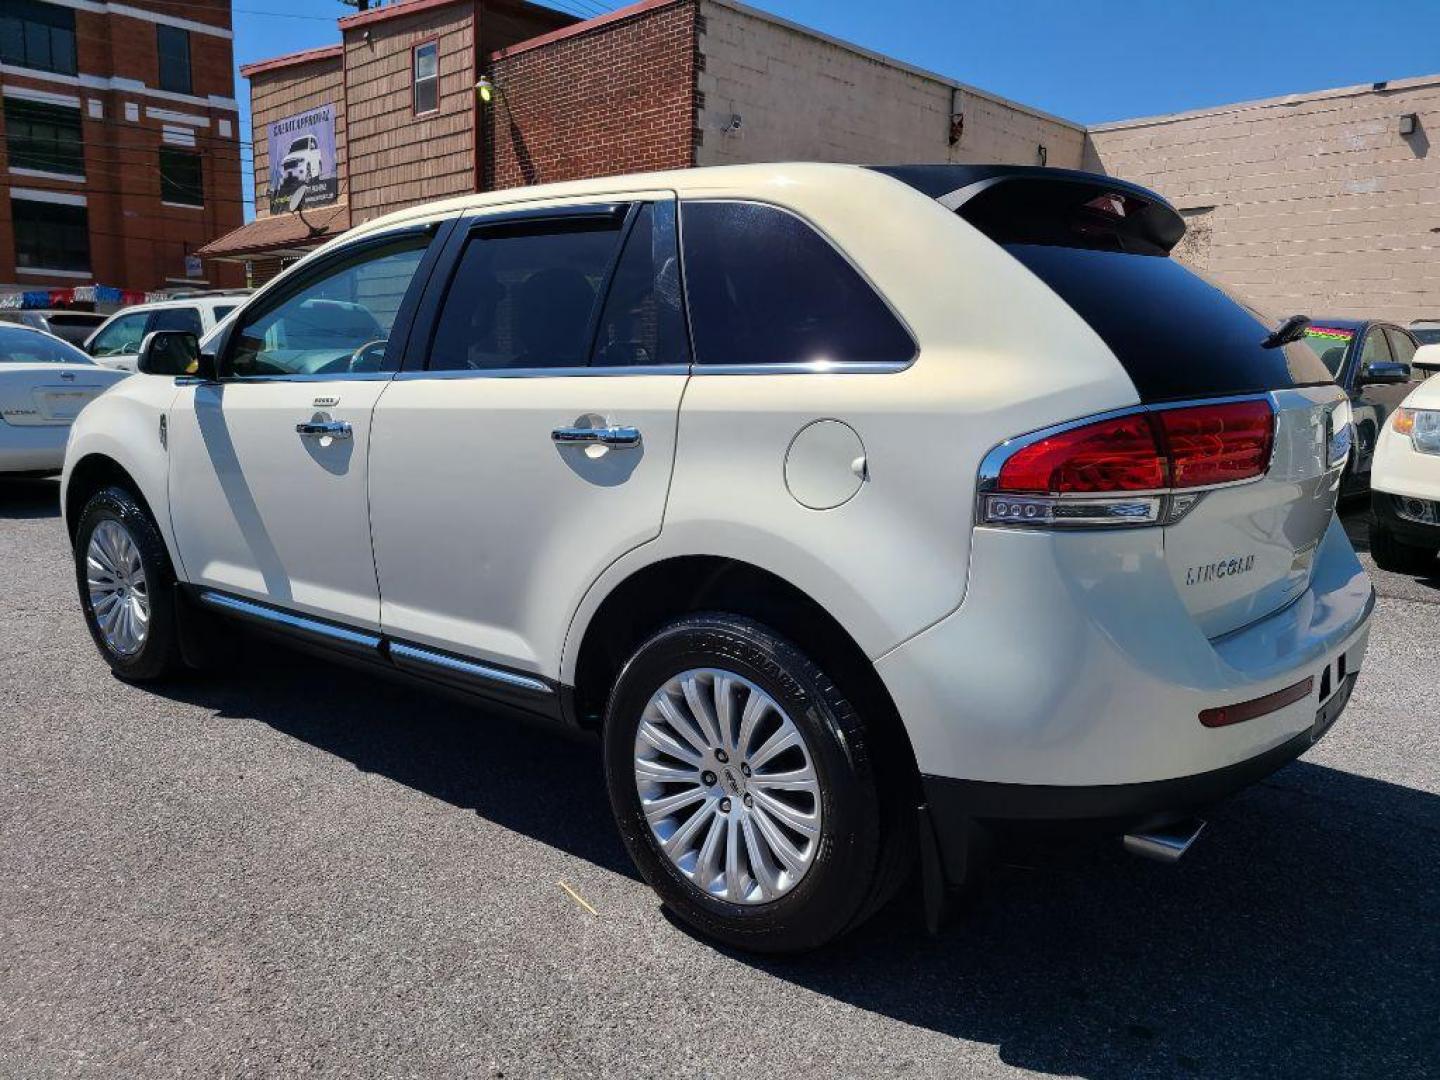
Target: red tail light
<point x="1217" y="444"/>
<point x="1092" y="474"/>
<point x="1194" y="446"/>
<point x="1111" y="455"/>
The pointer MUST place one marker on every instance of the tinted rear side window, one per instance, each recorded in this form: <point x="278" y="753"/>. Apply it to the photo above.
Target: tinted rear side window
<point x="1176" y="334"/>
<point x="525" y="296"/>
<point x="765" y="288"/>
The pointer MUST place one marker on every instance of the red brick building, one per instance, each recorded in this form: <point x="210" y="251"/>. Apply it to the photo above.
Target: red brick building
<point x="119" y="143"/>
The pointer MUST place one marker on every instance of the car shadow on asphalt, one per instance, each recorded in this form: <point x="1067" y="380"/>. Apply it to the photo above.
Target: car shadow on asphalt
<point x="465" y="754"/>
<point x="1300" y="937"/>
<point x="21" y="499"/>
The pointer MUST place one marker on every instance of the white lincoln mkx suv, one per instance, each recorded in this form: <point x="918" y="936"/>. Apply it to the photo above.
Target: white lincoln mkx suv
<point x="862" y="512"/>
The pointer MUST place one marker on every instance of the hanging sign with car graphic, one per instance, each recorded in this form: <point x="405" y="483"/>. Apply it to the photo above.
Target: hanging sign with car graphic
<point x="302" y="156"/>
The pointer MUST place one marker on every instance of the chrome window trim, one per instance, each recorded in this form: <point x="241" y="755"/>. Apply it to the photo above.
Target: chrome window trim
<point x="807" y="367"/>
<point x="988" y="477"/>
<point x="541" y="373"/>
<point x="289" y="620"/>
<point x="471" y="668"/>
<point x="240" y="380"/>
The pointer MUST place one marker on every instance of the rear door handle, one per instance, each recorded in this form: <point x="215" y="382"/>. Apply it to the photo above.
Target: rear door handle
<point x="334" y="429"/>
<point x="606" y="436"/>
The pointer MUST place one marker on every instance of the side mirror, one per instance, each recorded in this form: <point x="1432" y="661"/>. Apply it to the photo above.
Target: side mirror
<point x="1427" y="359"/>
<point x="174" y="353"/>
<point x="1384" y="371"/>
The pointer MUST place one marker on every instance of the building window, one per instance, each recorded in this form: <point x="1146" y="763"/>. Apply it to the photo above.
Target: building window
<point x="36" y="35"/>
<point x="173" y="47"/>
<point x="44" y="137"/>
<point x="50" y="236"/>
<point x="427" y="77"/>
<point x="181" y="178"/>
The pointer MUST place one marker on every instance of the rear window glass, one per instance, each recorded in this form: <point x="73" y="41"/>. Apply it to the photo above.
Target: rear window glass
<point x="1176" y="334"/>
<point x="19" y="346"/>
<point x="1331" y="342"/>
<point x="766" y="288"/>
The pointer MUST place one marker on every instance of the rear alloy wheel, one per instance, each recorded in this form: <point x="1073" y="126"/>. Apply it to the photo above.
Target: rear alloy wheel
<point x="1393" y="554"/>
<point x="728" y="786"/>
<point x="126" y="583"/>
<point x="745" y="788"/>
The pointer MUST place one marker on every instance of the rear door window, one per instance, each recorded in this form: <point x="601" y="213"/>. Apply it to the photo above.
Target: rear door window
<point x="1176" y="334"/>
<point x="1402" y="347"/>
<point x="525" y="294"/>
<point x="642" y="323"/>
<point x="764" y="288"/>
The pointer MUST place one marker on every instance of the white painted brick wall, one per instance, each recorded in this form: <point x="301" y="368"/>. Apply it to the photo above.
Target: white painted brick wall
<point x="802" y="96"/>
<point x="1321" y="206"/>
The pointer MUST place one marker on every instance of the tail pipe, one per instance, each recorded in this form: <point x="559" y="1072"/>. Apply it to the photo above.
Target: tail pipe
<point x="1165" y="843"/>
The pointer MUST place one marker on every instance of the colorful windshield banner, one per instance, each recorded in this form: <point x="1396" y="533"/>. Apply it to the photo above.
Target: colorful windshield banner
<point x="303" y="166"/>
<point x="1332" y="333"/>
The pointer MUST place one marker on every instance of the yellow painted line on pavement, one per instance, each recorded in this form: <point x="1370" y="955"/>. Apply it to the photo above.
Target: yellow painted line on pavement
<point x="578" y="899"/>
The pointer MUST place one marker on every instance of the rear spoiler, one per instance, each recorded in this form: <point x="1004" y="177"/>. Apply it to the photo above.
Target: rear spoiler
<point x="1028" y="204"/>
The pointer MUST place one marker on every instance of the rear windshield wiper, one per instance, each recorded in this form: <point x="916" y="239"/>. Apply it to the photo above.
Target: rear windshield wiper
<point x="1292" y="329"/>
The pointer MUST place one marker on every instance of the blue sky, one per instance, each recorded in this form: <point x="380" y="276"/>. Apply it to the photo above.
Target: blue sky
<point x="1085" y="60"/>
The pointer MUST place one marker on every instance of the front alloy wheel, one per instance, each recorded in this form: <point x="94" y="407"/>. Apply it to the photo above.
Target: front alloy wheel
<point x="126" y="582"/>
<point x="119" y="591"/>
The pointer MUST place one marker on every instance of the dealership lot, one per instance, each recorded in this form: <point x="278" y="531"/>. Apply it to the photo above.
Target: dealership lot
<point x="293" y="869"/>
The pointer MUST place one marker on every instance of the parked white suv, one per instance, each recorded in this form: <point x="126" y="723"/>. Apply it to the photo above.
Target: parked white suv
<point x="860" y="510"/>
<point x="1405" y="484"/>
<point x="116" y="342"/>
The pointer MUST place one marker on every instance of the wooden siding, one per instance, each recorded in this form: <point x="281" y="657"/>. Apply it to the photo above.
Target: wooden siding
<point x="396" y="158"/>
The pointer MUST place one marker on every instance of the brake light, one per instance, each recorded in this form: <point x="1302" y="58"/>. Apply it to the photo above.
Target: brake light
<point x="1127" y="470"/>
<point x="1217" y="444"/>
<point x="1111" y="455"/>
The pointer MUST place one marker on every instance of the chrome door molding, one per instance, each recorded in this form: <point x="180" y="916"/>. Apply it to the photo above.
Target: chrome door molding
<point x="473" y="676"/>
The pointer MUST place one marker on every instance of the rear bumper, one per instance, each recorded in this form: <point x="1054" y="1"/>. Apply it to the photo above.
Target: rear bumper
<point x="38" y="448"/>
<point x="956" y="806"/>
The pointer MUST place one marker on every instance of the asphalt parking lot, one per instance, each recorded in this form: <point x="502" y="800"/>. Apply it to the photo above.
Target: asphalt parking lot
<point x="297" y="870"/>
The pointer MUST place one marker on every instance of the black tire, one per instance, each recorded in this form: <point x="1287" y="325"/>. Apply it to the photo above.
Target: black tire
<point x="159" y="654"/>
<point x="854" y="868"/>
<point x="1393" y="554"/>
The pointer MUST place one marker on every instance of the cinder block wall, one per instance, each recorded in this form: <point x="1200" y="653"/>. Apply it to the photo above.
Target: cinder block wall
<point x="1313" y="203"/>
<point x="800" y="95"/>
<point x="610" y="96"/>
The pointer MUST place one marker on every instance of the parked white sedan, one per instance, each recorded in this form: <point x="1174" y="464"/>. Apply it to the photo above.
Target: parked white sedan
<point x="44" y="383"/>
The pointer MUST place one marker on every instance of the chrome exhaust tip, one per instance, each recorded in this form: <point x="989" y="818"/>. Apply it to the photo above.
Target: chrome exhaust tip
<point x="1165" y="843"/>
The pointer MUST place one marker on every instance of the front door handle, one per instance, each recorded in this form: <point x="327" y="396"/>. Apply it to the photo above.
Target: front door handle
<point x="333" y="429"/>
<point x="605" y="436"/>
